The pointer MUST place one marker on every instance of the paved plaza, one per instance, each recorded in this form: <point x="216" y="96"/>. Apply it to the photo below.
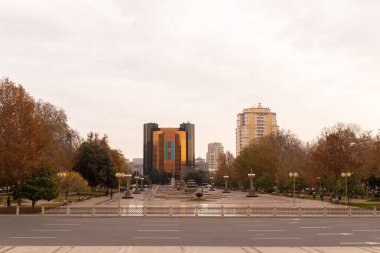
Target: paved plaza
<point x="213" y="199"/>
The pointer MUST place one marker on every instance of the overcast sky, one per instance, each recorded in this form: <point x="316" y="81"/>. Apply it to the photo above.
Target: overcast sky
<point x="115" y="65"/>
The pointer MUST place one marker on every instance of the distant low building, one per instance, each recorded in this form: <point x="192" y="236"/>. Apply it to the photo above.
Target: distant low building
<point x="137" y="165"/>
<point x="201" y="164"/>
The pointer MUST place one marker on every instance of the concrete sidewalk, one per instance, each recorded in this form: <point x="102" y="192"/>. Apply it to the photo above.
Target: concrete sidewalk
<point x="142" y="249"/>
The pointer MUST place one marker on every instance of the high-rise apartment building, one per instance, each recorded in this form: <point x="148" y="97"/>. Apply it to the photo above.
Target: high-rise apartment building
<point x="213" y="152"/>
<point x="168" y="149"/>
<point x="253" y="124"/>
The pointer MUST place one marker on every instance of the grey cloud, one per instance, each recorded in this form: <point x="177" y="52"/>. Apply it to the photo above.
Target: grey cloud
<point x="130" y="62"/>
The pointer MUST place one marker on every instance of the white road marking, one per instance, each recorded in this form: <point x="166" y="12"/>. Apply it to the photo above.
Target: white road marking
<point x="70" y="220"/>
<point x="158" y="230"/>
<point x="252" y="221"/>
<point x="276" y="238"/>
<point x="50" y="230"/>
<point x="60" y="224"/>
<point x="160" y="221"/>
<point x="349" y="224"/>
<point x="368" y="230"/>
<point x="265" y="230"/>
<point x="291" y="219"/>
<point x="335" y="233"/>
<point x="317" y="227"/>
<point x="356" y="243"/>
<point x="32" y="237"/>
<point x="164" y="225"/>
<point x="256" y="225"/>
<point x="156" y="238"/>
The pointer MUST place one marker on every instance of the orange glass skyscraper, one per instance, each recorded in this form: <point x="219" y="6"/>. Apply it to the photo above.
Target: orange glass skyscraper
<point x="169" y="150"/>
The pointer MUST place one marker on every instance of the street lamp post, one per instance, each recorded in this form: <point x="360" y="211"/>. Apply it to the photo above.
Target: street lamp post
<point x="127" y="191"/>
<point x="119" y="175"/>
<point x="346" y="175"/>
<point x="212" y="184"/>
<point x="61" y="175"/>
<point x="225" y="184"/>
<point x="320" y="184"/>
<point x="142" y="184"/>
<point x="137" y="185"/>
<point x="294" y="175"/>
<point x="172" y="180"/>
<point x="252" y="190"/>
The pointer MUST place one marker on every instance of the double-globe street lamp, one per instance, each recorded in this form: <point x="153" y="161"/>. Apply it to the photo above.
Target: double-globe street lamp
<point x="137" y="191"/>
<point x="127" y="191"/>
<point x="142" y="184"/>
<point x="61" y="176"/>
<point x="320" y="184"/>
<point x="119" y="176"/>
<point x="294" y="175"/>
<point x="346" y="175"/>
<point x="252" y="190"/>
<point x="225" y="184"/>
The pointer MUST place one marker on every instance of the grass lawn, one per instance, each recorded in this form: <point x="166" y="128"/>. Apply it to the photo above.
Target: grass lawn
<point x="374" y="200"/>
<point x="54" y="202"/>
<point x="198" y="200"/>
<point x="366" y="205"/>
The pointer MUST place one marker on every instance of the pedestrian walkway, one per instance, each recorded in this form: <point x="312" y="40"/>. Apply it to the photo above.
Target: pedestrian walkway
<point x="233" y="199"/>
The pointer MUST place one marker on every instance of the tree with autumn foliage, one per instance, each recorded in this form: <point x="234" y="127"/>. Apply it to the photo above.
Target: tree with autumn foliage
<point x="23" y="142"/>
<point x="333" y="152"/>
<point x="366" y="152"/>
<point x="271" y="159"/>
<point x="225" y="168"/>
<point x="32" y="134"/>
<point x="35" y="134"/>
<point x="64" y="140"/>
<point x="74" y="182"/>
<point x="344" y="147"/>
<point x="258" y="159"/>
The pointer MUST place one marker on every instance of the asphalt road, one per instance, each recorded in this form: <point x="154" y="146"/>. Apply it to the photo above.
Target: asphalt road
<point x="300" y="232"/>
